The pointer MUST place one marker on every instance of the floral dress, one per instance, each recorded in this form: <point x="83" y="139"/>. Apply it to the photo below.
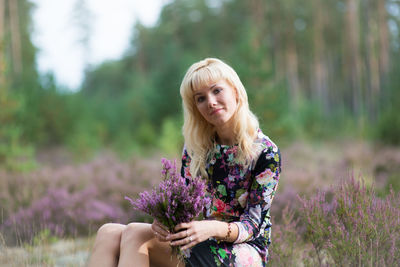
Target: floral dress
<point x="242" y="196"/>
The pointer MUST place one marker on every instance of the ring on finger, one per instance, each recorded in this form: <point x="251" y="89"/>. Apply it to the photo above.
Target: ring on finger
<point x="190" y="239"/>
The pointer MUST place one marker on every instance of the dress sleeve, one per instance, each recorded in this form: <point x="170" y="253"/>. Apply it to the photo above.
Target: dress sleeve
<point x="185" y="169"/>
<point x="264" y="185"/>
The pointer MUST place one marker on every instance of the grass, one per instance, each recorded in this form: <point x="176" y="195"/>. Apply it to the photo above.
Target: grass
<point x="57" y="252"/>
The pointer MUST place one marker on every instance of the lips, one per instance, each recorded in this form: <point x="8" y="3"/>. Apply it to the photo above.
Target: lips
<point x="215" y="111"/>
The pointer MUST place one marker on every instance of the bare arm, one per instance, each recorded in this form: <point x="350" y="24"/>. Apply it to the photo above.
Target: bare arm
<point x="190" y="234"/>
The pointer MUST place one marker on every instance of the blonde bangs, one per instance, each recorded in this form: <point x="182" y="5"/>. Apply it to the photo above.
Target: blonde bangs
<point x="204" y="77"/>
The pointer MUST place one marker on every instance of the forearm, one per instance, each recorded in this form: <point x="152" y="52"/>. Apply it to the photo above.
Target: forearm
<point x="220" y="231"/>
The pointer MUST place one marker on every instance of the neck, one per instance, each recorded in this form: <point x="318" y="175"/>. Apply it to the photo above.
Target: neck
<point x="225" y="136"/>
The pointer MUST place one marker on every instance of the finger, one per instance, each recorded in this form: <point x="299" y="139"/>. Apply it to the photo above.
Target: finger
<point x="181" y="226"/>
<point x="184" y="241"/>
<point x="189" y="245"/>
<point x="160" y="228"/>
<point x="178" y="236"/>
<point x="162" y="232"/>
<point x="159" y="224"/>
<point x="192" y="242"/>
<point x="163" y="227"/>
<point x="160" y="237"/>
<point x="175" y="237"/>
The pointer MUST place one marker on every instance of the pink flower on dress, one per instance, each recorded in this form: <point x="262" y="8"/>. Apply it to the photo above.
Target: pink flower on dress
<point x="246" y="256"/>
<point x="265" y="177"/>
<point x="220" y="205"/>
<point x="187" y="172"/>
<point x="268" y="143"/>
<point x="232" y="150"/>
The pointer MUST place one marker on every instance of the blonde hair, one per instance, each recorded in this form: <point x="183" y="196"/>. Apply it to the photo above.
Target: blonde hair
<point x="197" y="132"/>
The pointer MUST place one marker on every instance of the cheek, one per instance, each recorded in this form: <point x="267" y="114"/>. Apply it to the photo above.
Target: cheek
<point x="234" y="103"/>
<point x="201" y="109"/>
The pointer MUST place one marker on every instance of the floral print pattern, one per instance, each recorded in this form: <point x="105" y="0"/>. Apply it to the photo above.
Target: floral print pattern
<point x="241" y="195"/>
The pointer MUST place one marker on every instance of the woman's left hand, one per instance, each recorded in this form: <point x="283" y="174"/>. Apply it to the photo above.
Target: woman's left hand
<point x="190" y="234"/>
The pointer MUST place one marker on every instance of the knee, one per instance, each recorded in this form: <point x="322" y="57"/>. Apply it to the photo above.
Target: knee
<point x="109" y="235"/>
<point x="136" y="234"/>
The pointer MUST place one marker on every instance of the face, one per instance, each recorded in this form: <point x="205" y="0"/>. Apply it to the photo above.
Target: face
<point x="216" y="103"/>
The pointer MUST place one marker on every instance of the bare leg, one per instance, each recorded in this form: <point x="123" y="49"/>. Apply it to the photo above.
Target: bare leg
<point x="106" y="247"/>
<point x="139" y="247"/>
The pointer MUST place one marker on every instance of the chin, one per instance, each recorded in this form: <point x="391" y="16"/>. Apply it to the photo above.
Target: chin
<point x="220" y="123"/>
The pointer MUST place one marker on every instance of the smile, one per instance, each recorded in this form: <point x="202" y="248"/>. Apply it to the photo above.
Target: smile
<point x="215" y="111"/>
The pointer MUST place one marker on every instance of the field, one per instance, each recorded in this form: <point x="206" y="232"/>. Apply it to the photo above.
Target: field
<point x="50" y="215"/>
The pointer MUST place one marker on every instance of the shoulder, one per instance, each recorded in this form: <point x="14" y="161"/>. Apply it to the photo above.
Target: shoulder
<point x="264" y="143"/>
<point x="269" y="153"/>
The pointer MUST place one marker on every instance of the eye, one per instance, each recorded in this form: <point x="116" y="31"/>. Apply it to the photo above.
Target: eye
<point x="200" y="99"/>
<point x="217" y="91"/>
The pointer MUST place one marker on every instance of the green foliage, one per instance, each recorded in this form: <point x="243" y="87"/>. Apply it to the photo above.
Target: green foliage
<point x="131" y="104"/>
<point x="84" y="140"/>
<point x="44" y="237"/>
<point x="146" y="134"/>
<point x="388" y="128"/>
<point x="125" y="145"/>
<point x="392" y="184"/>
<point x="14" y="155"/>
<point x="171" y="141"/>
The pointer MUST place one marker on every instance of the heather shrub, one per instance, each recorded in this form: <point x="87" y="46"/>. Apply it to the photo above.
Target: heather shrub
<point x="72" y="200"/>
<point x="287" y="244"/>
<point x="349" y="225"/>
<point x="63" y="213"/>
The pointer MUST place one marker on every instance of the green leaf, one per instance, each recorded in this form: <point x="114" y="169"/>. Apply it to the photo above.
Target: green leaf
<point x="222" y="253"/>
<point x="222" y="189"/>
<point x="213" y="249"/>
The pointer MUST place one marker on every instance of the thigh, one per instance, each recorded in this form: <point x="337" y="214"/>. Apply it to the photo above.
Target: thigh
<point x="159" y="253"/>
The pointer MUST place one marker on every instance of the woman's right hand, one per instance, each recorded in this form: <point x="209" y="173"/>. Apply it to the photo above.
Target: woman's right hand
<point x="160" y="231"/>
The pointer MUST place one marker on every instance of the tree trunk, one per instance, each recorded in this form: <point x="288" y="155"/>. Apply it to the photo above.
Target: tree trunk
<point x="320" y="74"/>
<point x="372" y="63"/>
<point x="383" y="40"/>
<point x="258" y="15"/>
<point x="2" y="16"/>
<point x="2" y="44"/>
<point x="277" y="53"/>
<point x="15" y="36"/>
<point x="292" y="72"/>
<point x="353" y="66"/>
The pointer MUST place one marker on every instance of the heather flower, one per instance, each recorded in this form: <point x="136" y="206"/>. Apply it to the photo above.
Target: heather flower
<point x="355" y="227"/>
<point x="176" y="199"/>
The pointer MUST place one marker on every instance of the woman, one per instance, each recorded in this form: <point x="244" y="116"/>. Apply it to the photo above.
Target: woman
<point x="224" y="145"/>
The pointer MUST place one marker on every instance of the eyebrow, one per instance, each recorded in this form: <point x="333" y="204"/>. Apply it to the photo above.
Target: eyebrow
<point x="211" y="87"/>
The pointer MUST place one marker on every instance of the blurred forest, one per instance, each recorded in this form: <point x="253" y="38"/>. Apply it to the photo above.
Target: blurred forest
<point x="316" y="72"/>
<point x="313" y="70"/>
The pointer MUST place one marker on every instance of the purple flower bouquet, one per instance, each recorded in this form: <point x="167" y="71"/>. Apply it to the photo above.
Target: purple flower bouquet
<point x="175" y="200"/>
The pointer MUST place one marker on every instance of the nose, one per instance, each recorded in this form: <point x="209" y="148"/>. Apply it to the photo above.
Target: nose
<point x="212" y="101"/>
